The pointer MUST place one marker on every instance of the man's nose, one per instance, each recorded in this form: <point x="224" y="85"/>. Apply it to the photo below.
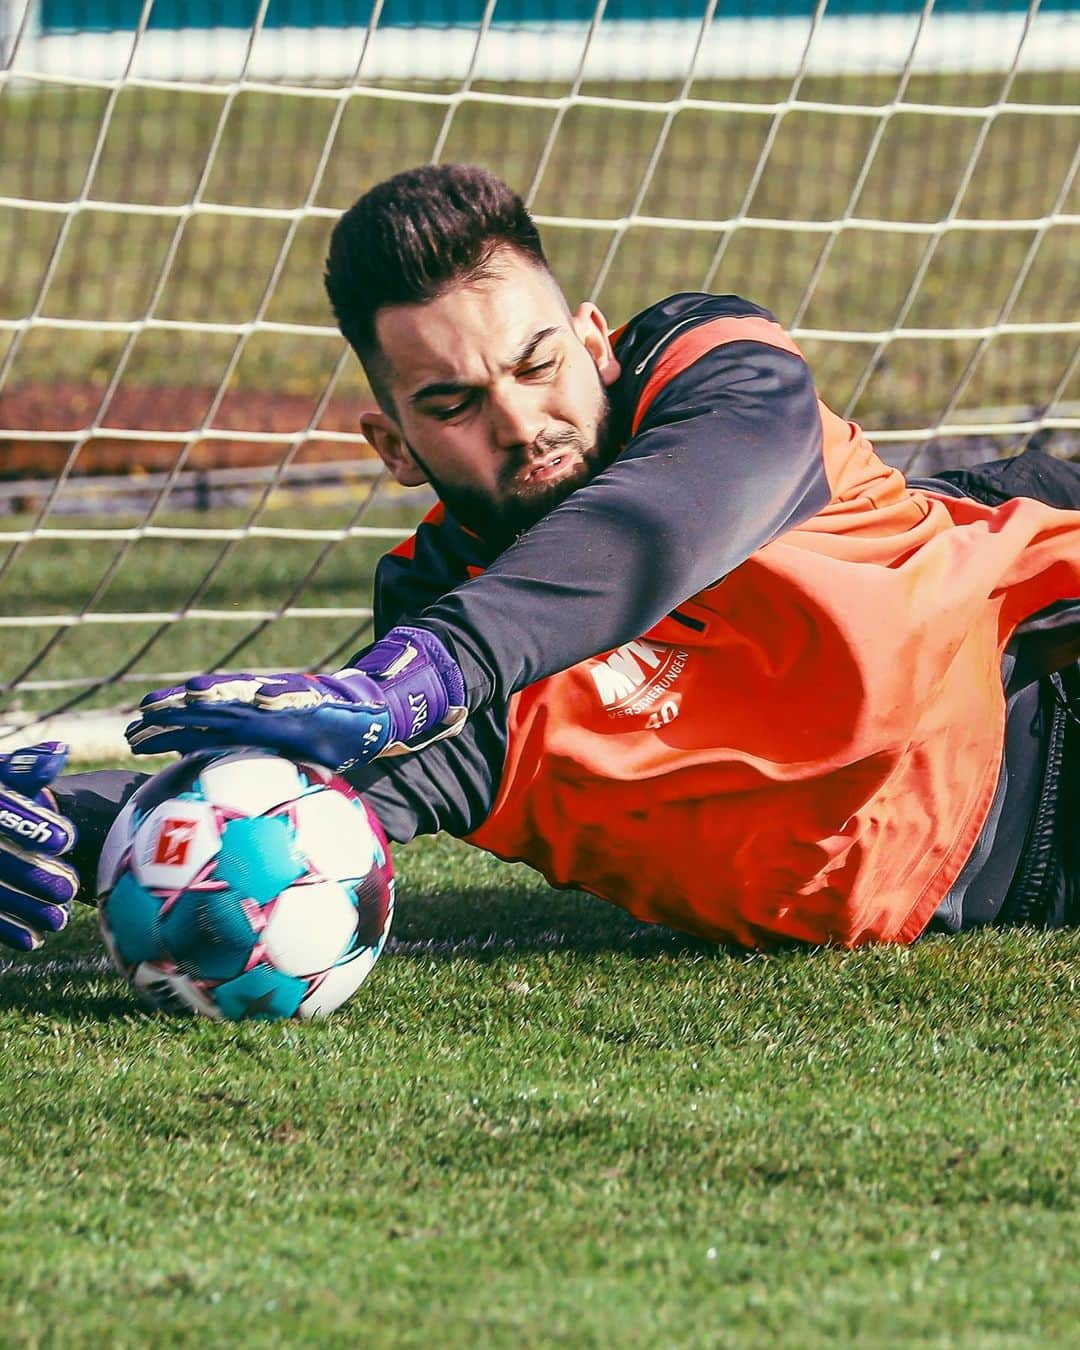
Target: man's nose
<point x="516" y="419"/>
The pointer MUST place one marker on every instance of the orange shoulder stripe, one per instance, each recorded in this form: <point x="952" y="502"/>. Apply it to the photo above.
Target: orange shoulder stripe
<point x="407" y="547"/>
<point x="692" y="345"/>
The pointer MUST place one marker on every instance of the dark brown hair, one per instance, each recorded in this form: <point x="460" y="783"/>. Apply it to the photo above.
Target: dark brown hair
<point x="409" y="238"/>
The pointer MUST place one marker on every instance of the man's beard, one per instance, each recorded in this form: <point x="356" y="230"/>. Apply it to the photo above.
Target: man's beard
<point x="499" y="520"/>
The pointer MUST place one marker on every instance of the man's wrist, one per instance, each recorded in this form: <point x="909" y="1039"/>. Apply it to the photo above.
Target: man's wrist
<point x="411" y="671"/>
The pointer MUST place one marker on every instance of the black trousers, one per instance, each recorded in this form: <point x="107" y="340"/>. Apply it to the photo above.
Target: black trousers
<point x="1026" y="868"/>
<point x="1046" y="888"/>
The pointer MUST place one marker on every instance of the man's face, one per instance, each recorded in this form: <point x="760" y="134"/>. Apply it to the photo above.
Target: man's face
<point x="499" y="396"/>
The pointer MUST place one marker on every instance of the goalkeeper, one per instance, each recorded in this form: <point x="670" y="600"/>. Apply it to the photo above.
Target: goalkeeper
<point x="674" y="634"/>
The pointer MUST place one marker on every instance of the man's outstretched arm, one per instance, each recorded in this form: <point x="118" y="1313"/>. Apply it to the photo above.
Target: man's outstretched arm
<point x="723" y="453"/>
<point x="401" y="694"/>
<point x="449" y="788"/>
<point x="92" y="801"/>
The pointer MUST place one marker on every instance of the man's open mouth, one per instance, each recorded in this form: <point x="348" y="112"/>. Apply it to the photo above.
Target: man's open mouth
<point x="551" y="466"/>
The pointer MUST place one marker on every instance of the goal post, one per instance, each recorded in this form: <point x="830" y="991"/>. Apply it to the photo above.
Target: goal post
<point x="183" y="485"/>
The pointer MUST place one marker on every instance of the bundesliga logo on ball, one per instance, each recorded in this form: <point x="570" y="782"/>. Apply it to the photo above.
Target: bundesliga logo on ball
<point x="239" y="884"/>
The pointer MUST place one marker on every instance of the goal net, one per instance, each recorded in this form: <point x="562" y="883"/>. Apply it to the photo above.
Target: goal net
<point x="182" y="482"/>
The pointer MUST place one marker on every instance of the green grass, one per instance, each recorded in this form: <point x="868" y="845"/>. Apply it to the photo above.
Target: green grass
<point x="538" y="1119"/>
<point x="540" y="1123"/>
<point x="158" y="141"/>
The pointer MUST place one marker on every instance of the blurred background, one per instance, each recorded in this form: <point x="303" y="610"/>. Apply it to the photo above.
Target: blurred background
<point x="896" y="179"/>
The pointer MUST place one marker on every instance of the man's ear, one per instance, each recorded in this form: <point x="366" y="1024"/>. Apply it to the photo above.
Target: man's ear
<point x="384" y="434"/>
<point x="592" y="328"/>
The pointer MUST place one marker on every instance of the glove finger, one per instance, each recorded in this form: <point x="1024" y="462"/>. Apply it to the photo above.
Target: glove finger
<point x="148" y="738"/>
<point x="33" y="825"/>
<point x="188" y="728"/>
<point x="236" y="688"/>
<point x="36" y="875"/>
<point x="279" y="692"/>
<point x="331" y="734"/>
<point x="171" y="697"/>
<point x="19" y="936"/>
<point x="31" y="911"/>
<point x="30" y="769"/>
<point x="185" y="729"/>
<point x="202" y="689"/>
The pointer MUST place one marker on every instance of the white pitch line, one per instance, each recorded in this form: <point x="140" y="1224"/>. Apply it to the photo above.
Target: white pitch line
<point x="438" y="947"/>
<point x="79" y="965"/>
<point x="101" y="965"/>
<point x="470" y="945"/>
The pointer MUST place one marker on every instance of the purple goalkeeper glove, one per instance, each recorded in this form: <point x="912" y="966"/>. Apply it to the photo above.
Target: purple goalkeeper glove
<point x="36" y="889"/>
<point x="401" y="694"/>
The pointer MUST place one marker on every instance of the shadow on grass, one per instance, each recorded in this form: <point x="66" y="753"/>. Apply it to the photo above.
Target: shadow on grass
<point x="487" y="923"/>
<point x="72" y="978"/>
<point x="65" y="990"/>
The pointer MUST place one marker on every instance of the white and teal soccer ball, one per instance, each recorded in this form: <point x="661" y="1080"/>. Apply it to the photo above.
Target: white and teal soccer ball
<point x="240" y="884"/>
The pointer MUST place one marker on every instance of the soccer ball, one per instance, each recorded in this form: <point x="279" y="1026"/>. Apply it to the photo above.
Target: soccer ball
<point x="240" y="884"/>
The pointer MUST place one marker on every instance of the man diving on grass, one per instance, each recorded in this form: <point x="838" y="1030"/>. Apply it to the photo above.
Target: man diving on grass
<point x="674" y="634"/>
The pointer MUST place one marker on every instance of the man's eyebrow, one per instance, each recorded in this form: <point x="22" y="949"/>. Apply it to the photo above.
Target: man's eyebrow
<point x="442" y="388"/>
<point x="531" y="345"/>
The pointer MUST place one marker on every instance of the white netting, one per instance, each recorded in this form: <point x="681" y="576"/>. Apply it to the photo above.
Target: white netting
<point x="182" y="485"/>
